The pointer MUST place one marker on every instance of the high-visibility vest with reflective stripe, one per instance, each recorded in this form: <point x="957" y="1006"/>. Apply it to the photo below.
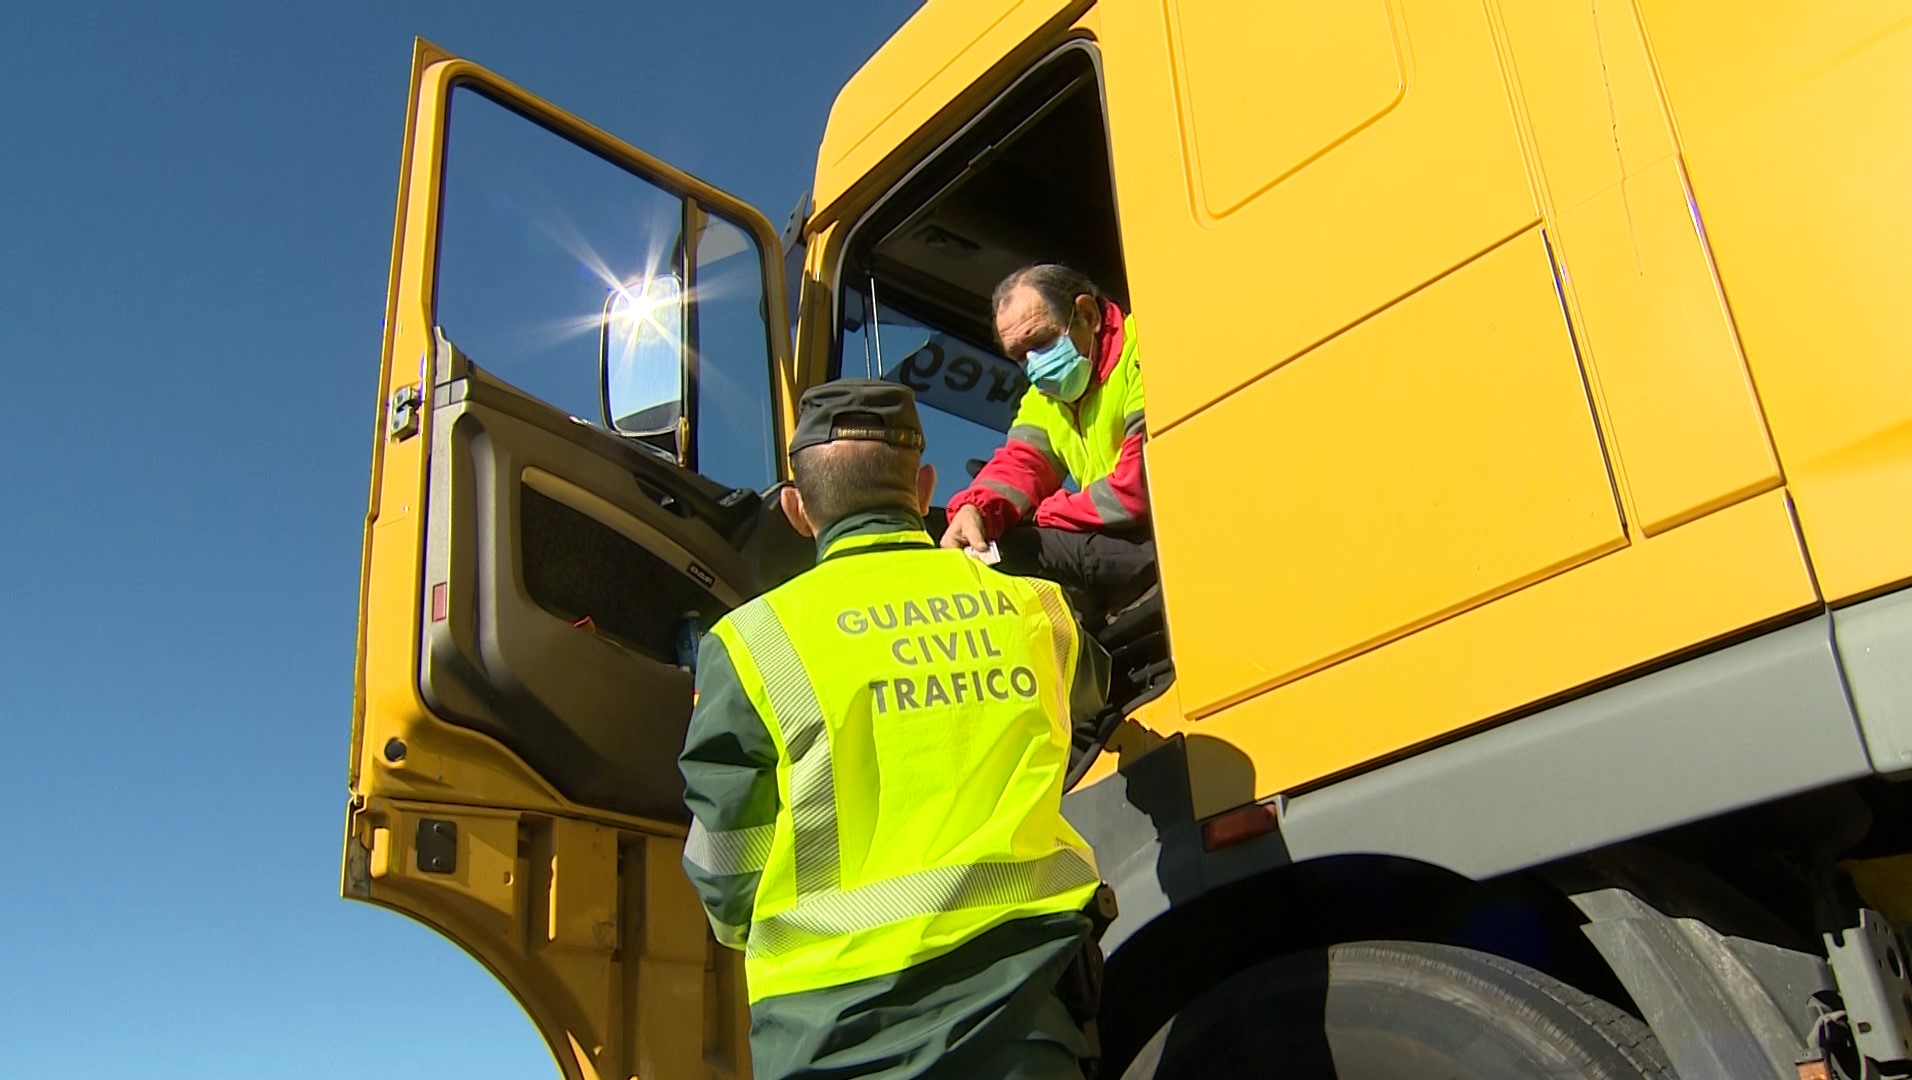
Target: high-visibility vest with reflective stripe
<point x="919" y="702"/>
<point x="1086" y="437"/>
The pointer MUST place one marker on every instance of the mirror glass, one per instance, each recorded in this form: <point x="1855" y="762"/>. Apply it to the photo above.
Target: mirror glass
<point x="643" y="344"/>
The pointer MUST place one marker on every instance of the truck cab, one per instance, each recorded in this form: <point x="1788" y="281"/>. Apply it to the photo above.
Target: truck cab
<point x="1528" y="453"/>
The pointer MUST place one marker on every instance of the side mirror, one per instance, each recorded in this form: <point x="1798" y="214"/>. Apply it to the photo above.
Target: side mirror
<point x="642" y="361"/>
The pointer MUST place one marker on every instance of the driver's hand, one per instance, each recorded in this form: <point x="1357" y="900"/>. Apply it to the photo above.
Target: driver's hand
<point x="966" y="531"/>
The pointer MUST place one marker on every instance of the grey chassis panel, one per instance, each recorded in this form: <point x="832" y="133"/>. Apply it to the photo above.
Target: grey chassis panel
<point x="1789" y="711"/>
<point x="1742" y="726"/>
<point x="1875" y="645"/>
<point x="1147" y="846"/>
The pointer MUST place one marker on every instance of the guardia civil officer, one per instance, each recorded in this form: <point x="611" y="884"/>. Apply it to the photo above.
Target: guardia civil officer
<point x="875" y="768"/>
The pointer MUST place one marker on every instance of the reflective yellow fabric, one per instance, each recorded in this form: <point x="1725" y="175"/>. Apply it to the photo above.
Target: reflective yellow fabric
<point x="920" y="706"/>
<point x="1087" y="437"/>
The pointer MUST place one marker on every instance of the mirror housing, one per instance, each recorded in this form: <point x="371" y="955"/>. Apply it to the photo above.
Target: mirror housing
<point x="644" y="361"/>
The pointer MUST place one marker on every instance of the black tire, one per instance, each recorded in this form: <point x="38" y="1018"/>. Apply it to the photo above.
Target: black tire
<point x="1392" y="1010"/>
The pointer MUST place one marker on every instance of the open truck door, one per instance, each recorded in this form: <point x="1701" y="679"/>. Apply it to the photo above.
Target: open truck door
<point x="535" y="580"/>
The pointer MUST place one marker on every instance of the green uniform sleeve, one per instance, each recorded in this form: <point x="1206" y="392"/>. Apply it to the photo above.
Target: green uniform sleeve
<point x="730" y="785"/>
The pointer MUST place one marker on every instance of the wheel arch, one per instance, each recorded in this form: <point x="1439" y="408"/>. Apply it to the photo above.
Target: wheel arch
<point x="1546" y="811"/>
<point x="1724" y="982"/>
<point x="1158" y="967"/>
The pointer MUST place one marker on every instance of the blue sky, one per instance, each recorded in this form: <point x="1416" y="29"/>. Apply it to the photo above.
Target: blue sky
<point x="196" y="225"/>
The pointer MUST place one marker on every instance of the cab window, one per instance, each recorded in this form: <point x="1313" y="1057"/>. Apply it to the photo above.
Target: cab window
<point x="966" y="393"/>
<point x="536" y="237"/>
<point x="1027" y="181"/>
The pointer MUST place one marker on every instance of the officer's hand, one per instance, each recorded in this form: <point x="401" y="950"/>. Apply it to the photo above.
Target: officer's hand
<point x="966" y="531"/>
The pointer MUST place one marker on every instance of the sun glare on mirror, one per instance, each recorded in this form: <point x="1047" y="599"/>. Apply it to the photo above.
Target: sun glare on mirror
<point x="643" y="347"/>
<point x="646" y="310"/>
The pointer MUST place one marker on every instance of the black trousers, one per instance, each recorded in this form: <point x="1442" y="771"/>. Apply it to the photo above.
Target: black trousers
<point x="1102" y="572"/>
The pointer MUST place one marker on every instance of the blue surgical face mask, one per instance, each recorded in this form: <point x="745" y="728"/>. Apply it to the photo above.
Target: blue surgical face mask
<point x="1059" y="370"/>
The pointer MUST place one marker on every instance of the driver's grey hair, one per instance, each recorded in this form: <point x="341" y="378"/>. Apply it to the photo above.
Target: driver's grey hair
<point x="1058" y="286"/>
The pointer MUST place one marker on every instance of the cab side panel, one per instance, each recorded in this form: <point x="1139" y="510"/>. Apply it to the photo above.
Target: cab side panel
<point x="1687" y="434"/>
<point x="1498" y="270"/>
<point x="1793" y="120"/>
<point x="1435" y="456"/>
<point x="1246" y="252"/>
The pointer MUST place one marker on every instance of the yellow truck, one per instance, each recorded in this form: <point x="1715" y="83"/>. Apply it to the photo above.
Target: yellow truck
<point x="1530" y="447"/>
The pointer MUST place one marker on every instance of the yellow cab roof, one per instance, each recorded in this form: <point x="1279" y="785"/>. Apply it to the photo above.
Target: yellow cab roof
<point x="946" y="48"/>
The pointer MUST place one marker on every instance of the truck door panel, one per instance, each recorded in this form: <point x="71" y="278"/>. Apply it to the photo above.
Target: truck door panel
<point x="530" y="578"/>
<point x="544" y="534"/>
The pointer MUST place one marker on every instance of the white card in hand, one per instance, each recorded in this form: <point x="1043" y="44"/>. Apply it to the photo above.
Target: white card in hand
<point x="988" y="558"/>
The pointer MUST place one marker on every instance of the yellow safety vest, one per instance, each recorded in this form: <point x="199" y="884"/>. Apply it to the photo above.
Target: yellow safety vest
<point x="1086" y="438"/>
<point x="919" y="702"/>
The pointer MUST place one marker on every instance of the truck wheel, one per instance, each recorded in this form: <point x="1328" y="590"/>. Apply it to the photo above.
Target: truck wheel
<point x="1392" y="1010"/>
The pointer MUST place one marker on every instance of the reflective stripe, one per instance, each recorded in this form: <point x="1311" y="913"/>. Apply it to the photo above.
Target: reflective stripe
<point x="1135" y="424"/>
<point x="800" y="719"/>
<point x="1108" y="505"/>
<point x="729" y="851"/>
<point x="1038" y="438"/>
<point x="1062" y="630"/>
<point x="927" y="892"/>
<point x="1009" y="491"/>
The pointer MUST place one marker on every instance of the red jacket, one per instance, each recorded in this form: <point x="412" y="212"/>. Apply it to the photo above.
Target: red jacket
<point x="1027" y="472"/>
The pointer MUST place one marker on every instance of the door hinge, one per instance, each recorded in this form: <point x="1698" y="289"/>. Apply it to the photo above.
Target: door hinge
<point x="437" y="845"/>
<point x="401" y="416"/>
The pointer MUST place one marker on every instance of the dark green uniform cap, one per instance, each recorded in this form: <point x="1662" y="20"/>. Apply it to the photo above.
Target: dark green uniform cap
<point x="864" y="409"/>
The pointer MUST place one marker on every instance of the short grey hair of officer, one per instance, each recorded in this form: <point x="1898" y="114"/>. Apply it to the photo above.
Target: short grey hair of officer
<point x="858" y="446"/>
